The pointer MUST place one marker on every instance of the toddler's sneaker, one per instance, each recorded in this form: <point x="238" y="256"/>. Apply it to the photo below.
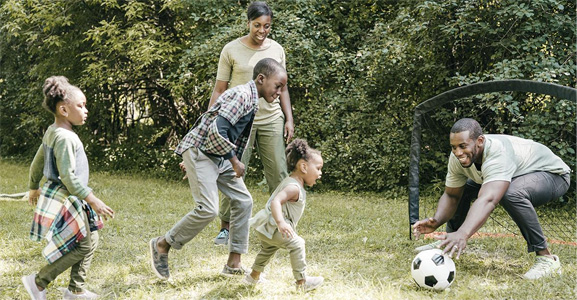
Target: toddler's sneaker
<point x="222" y="238"/>
<point x="248" y="280"/>
<point x="68" y="295"/>
<point x="433" y="245"/>
<point x="310" y="284"/>
<point x="32" y="289"/>
<point x="231" y="272"/>
<point x="158" y="261"/>
<point x="544" y="266"/>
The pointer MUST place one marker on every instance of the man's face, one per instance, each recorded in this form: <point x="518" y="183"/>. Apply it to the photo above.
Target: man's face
<point x="466" y="149"/>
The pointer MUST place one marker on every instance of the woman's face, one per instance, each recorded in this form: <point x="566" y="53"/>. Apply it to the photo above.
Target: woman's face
<point x="259" y="29"/>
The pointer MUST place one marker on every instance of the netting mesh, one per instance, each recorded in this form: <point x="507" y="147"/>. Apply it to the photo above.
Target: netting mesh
<point x="537" y="117"/>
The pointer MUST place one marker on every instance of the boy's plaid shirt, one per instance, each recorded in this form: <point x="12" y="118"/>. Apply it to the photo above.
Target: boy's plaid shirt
<point x="232" y="105"/>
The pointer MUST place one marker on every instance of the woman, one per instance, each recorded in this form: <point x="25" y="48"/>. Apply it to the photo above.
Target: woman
<point x="273" y="122"/>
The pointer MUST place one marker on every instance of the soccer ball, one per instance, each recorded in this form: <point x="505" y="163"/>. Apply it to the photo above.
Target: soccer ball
<point x="433" y="270"/>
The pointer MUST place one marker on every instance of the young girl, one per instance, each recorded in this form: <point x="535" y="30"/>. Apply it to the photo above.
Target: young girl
<point x="66" y="209"/>
<point x="273" y="120"/>
<point x="276" y="224"/>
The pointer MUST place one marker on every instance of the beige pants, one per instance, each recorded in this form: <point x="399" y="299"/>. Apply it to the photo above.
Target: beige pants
<point x="295" y="246"/>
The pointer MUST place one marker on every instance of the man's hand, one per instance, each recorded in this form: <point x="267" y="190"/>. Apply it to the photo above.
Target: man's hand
<point x="454" y="242"/>
<point x="424" y="226"/>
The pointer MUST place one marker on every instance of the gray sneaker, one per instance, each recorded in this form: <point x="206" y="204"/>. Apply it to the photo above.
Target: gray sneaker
<point x="433" y="245"/>
<point x="544" y="266"/>
<point x="222" y="238"/>
<point x="158" y="261"/>
<point x="231" y="272"/>
<point x="68" y="295"/>
<point x="310" y="284"/>
<point x="32" y="289"/>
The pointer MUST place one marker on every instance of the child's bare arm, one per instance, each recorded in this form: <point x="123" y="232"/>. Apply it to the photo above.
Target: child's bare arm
<point x="289" y="193"/>
<point x="100" y="207"/>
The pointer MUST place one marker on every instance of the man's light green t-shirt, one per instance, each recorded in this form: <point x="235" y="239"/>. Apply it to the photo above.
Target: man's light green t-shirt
<point x="236" y="64"/>
<point x="505" y="157"/>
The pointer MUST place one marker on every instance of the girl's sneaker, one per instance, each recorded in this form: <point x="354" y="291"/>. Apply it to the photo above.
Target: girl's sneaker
<point x="248" y="280"/>
<point x="68" y="295"/>
<point x="32" y="289"/>
<point x="310" y="284"/>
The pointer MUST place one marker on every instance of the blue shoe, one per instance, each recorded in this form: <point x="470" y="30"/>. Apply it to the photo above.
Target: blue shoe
<point x="222" y="238"/>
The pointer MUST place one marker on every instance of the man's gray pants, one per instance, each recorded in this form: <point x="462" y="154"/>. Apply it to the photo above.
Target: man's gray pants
<point x="524" y="194"/>
<point x="206" y="176"/>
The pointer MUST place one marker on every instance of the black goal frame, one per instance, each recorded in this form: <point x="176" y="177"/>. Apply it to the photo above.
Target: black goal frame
<point x="513" y="85"/>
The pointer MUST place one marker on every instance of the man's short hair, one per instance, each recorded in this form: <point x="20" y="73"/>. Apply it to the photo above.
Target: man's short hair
<point x="468" y="124"/>
<point x="267" y="67"/>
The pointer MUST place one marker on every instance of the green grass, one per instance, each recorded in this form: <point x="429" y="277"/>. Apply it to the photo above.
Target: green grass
<point x="358" y="242"/>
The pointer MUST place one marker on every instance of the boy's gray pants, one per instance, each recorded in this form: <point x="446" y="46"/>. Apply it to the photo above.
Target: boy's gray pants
<point x="524" y="194"/>
<point x="206" y="176"/>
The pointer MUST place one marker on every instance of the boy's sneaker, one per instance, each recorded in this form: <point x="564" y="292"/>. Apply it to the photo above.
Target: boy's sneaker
<point x="68" y="295"/>
<point x="222" y="238"/>
<point x="231" y="272"/>
<point x="544" y="266"/>
<point x="32" y="289"/>
<point x="158" y="261"/>
<point x="433" y="245"/>
<point x="248" y="280"/>
<point x="310" y="284"/>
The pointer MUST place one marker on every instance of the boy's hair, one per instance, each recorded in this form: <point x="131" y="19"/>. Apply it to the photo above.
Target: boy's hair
<point x="267" y="67"/>
<point x="296" y="150"/>
<point x="468" y="124"/>
<point x="258" y="9"/>
<point x="56" y="89"/>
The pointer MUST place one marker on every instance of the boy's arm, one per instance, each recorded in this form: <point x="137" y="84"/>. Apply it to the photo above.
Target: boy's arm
<point x="289" y="193"/>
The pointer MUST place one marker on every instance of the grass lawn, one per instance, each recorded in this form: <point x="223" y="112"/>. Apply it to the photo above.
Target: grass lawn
<point x="358" y="242"/>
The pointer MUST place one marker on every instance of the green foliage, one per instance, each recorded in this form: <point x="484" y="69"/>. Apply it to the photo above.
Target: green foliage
<point x="356" y="70"/>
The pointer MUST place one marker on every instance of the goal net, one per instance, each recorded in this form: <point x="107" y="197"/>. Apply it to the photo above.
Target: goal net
<point x="544" y="112"/>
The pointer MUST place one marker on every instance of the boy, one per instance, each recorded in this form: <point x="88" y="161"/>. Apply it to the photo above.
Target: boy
<point x="211" y="153"/>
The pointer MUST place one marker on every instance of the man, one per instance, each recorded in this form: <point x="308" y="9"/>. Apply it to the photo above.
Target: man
<point x="519" y="174"/>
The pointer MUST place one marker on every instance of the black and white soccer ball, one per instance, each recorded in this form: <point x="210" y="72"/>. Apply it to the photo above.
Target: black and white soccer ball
<point x="433" y="270"/>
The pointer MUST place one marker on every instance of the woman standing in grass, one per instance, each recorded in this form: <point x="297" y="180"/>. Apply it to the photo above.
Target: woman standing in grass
<point x="67" y="213"/>
<point x="273" y="123"/>
<point x="276" y="224"/>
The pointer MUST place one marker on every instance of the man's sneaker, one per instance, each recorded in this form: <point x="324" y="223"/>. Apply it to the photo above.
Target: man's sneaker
<point x="248" y="280"/>
<point x="68" y="295"/>
<point x="433" y="245"/>
<point x="222" y="238"/>
<point x="231" y="272"/>
<point x="544" y="266"/>
<point x="158" y="261"/>
<point x="32" y="289"/>
<point x="310" y="284"/>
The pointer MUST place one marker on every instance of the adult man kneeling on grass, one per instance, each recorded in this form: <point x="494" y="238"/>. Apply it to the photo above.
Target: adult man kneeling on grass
<point x="211" y="153"/>
<point x="518" y="173"/>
